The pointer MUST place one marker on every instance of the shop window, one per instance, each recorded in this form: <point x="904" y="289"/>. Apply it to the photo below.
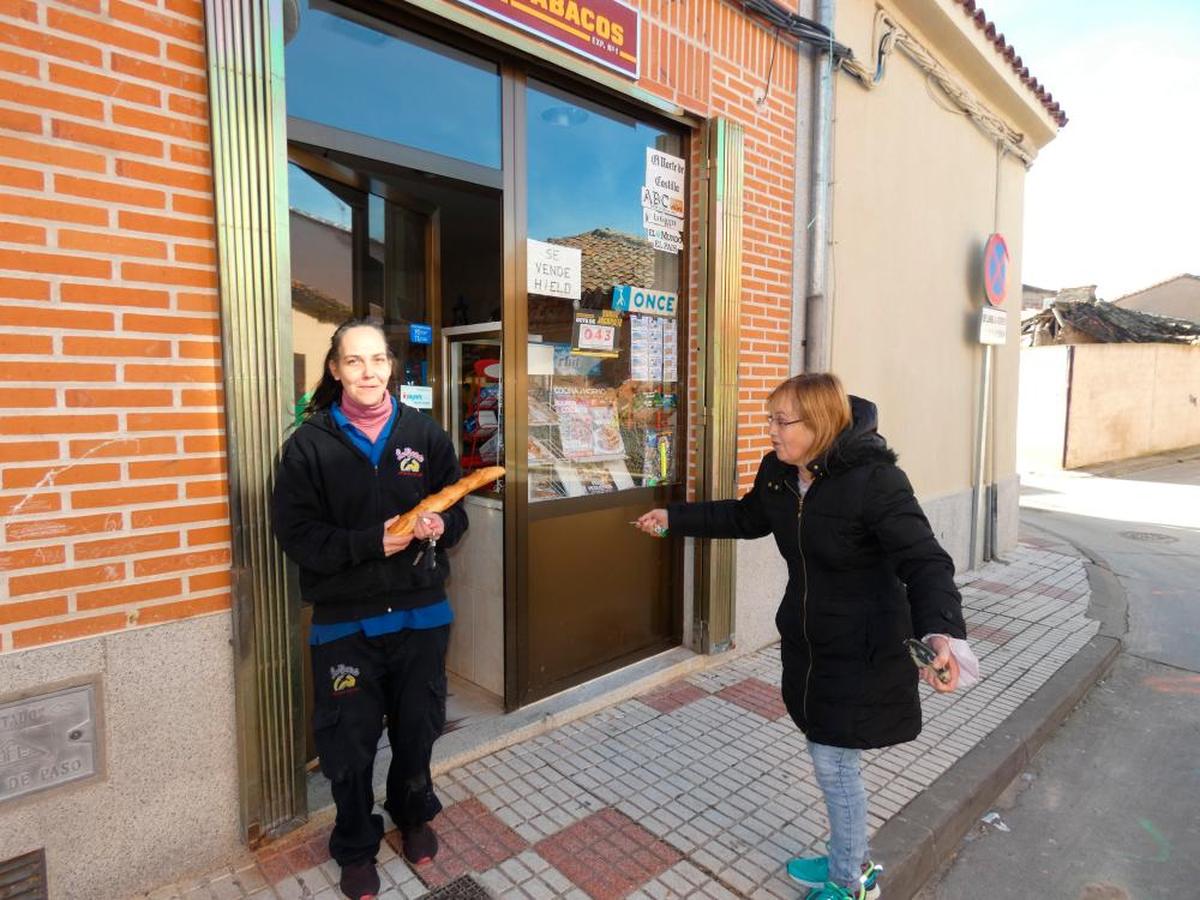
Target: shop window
<point x="321" y="227"/>
<point x="360" y="75"/>
<point x="604" y="379"/>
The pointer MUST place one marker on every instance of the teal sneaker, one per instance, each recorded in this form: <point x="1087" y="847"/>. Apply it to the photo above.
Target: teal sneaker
<point x="833" y="891"/>
<point x="813" y="871"/>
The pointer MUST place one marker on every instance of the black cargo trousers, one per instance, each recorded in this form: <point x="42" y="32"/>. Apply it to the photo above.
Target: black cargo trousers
<point x="357" y="681"/>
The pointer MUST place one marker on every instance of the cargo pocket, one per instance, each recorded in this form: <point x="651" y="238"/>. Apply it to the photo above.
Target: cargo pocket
<point x="330" y="751"/>
<point x="438" y="690"/>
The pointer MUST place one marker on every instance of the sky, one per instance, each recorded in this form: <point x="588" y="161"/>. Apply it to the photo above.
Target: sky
<point x="1114" y="200"/>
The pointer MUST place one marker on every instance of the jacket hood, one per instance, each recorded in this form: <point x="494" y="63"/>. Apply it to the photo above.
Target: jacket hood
<point x="858" y="444"/>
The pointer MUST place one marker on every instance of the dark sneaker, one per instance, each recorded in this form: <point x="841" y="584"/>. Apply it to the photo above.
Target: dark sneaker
<point x="420" y="844"/>
<point x="360" y="880"/>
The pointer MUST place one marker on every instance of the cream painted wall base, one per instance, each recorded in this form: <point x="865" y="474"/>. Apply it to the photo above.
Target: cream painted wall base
<point x="761" y="581"/>
<point x="168" y="803"/>
<point x="1008" y="513"/>
<point x="950" y="518"/>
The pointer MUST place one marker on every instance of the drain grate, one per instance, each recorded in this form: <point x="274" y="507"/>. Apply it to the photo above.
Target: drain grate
<point x="24" y="877"/>
<point x="1149" y="537"/>
<point x="462" y="888"/>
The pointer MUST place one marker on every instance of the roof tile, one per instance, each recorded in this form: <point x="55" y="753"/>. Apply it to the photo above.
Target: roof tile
<point x="972" y="9"/>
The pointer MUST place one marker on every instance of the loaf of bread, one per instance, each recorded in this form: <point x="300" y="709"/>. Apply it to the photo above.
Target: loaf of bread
<point x="445" y="498"/>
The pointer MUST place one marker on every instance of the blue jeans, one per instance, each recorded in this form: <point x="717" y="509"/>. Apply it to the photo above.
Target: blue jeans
<point x="840" y="778"/>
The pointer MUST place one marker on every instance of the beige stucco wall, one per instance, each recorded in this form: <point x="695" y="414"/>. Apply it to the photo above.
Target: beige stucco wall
<point x="1131" y="400"/>
<point x="918" y="189"/>
<point x="1042" y="408"/>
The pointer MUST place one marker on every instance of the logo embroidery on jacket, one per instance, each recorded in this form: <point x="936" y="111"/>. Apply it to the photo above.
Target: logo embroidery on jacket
<point x="345" y="678"/>
<point x="410" y="461"/>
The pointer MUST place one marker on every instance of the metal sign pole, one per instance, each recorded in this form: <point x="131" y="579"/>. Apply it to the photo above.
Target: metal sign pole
<point x="979" y="552"/>
<point x="993" y="329"/>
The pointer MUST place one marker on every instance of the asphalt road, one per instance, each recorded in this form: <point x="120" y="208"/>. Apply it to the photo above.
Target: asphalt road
<point x="1110" y="808"/>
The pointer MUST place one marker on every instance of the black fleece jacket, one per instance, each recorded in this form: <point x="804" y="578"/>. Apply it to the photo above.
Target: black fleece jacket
<point x="330" y="505"/>
<point x="864" y="572"/>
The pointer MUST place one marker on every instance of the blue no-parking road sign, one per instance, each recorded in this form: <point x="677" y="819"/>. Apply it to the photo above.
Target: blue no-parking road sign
<point x="995" y="270"/>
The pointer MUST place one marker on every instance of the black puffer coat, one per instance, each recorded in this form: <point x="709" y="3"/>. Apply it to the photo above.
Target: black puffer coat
<point x="864" y="572"/>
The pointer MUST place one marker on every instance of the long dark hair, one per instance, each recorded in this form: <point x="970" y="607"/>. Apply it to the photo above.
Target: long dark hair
<point x="329" y="390"/>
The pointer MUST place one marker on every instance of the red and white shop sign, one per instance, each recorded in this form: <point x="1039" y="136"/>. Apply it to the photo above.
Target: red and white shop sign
<point x="604" y="31"/>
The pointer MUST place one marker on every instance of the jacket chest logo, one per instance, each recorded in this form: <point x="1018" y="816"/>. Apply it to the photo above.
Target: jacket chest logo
<point x="411" y="462"/>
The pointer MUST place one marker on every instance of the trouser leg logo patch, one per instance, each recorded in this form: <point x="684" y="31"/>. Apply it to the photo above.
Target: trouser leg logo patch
<point x="344" y="678"/>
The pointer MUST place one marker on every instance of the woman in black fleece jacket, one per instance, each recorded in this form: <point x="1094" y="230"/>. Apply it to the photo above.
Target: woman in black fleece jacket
<point x="864" y="573"/>
<point x="380" y="613"/>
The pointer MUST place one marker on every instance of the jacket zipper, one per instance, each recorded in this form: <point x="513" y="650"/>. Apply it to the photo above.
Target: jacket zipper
<point x="804" y="595"/>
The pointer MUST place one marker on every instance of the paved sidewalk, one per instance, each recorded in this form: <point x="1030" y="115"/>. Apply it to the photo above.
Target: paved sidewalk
<point x="703" y="786"/>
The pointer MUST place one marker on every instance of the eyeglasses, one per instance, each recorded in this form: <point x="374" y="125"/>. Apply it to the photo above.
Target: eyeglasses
<point x="781" y="422"/>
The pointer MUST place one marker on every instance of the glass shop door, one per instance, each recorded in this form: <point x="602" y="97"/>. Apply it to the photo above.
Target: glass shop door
<point x="602" y="397"/>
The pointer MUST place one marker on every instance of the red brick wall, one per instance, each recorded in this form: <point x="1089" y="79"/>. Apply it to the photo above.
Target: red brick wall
<point x="709" y="57"/>
<point x="112" y="485"/>
<point x="112" y="475"/>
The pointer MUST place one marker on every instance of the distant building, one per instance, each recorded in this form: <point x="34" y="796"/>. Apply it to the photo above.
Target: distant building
<point x="1035" y="298"/>
<point x="1178" y="297"/>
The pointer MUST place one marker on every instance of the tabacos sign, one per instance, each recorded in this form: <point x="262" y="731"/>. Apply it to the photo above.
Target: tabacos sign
<point x="644" y="301"/>
<point x="604" y="31"/>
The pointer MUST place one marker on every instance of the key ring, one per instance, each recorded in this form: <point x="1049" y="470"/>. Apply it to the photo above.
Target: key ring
<point x="924" y="655"/>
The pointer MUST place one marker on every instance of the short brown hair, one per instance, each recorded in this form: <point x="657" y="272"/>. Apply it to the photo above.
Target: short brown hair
<point x="822" y="403"/>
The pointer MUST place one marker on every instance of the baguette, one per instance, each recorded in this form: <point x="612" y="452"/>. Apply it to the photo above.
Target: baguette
<point x="445" y="498"/>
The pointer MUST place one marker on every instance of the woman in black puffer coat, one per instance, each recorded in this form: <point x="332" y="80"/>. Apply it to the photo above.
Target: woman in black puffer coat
<point x="865" y="572"/>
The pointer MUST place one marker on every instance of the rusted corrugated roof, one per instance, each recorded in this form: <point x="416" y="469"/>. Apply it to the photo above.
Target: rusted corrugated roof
<point x="1005" y="49"/>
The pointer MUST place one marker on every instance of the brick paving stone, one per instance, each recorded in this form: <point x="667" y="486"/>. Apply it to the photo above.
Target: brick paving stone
<point x="471" y="839"/>
<point x="756" y="696"/>
<point x="990" y="633"/>
<point x="607" y="854"/>
<point x="673" y="696"/>
<point x="274" y="869"/>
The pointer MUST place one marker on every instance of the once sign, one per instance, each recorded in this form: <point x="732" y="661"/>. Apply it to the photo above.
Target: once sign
<point x="46" y="741"/>
<point x="646" y="301"/>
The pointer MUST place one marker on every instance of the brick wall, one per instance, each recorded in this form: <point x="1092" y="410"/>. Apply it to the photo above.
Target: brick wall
<point x="113" y="477"/>
<point x="112" y="486"/>
<point x="709" y="57"/>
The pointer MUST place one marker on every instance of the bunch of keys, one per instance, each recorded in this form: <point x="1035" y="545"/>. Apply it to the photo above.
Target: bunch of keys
<point x="427" y="553"/>
<point x="659" y="531"/>
<point x="924" y="655"/>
